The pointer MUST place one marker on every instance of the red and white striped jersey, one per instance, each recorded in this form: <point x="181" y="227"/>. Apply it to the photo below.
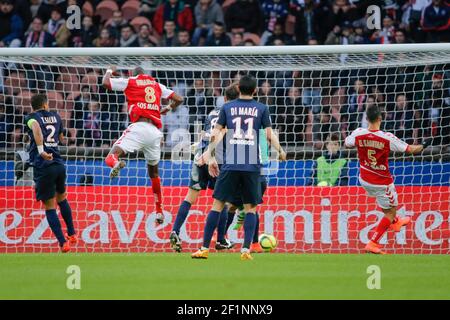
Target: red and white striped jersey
<point x="143" y="95"/>
<point x="373" y="153"/>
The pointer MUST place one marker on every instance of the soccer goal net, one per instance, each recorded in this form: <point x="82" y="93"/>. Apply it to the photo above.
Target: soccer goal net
<point x="316" y="95"/>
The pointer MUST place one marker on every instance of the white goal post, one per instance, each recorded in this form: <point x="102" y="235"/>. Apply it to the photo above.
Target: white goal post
<point x="314" y="93"/>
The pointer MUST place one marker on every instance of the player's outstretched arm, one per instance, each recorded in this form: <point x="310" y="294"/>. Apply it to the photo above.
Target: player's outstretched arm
<point x="272" y="138"/>
<point x="418" y="148"/>
<point x="204" y="159"/>
<point x="106" y="82"/>
<point x="414" y="149"/>
<point x="39" y="139"/>
<point x="175" y="101"/>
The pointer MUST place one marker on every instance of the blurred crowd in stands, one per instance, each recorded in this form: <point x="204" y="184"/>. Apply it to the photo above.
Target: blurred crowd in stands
<point x="152" y="23"/>
<point x="306" y="107"/>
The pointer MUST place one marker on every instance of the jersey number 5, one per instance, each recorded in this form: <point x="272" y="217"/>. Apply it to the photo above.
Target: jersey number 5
<point x="370" y="155"/>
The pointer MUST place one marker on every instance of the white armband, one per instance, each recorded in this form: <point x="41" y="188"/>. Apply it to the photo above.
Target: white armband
<point x="40" y="149"/>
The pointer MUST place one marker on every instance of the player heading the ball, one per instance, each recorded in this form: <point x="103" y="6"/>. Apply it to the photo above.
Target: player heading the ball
<point x="143" y="94"/>
<point x="241" y="168"/>
<point x="373" y="147"/>
<point x="49" y="173"/>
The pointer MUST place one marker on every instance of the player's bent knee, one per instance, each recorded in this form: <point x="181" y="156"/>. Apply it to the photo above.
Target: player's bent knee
<point x="218" y="205"/>
<point x="152" y="163"/>
<point x="49" y="204"/>
<point x="250" y="208"/>
<point x="116" y="150"/>
<point x="192" y="196"/>
<point x="61" y="197"/>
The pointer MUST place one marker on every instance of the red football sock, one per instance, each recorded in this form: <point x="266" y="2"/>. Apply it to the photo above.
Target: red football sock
<point x="381" y="229"/>
<point x="111" y="160"/>
<point x="156" y="186"/>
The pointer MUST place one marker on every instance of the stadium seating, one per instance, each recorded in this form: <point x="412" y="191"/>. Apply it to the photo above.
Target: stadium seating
<point x="138" y="21"/>
<point x="70" y="100"/>
<point x="105" y="9"/>
<point x="91" y="79"/>
<point x="67" y="83"/>
<point x="130" y="9"/>
<point x="15" y="83"/>
<point x="290" y="24"/>
<point x="22" y="102"/>
<point x="226" y="4"/>
<point x="88" y="9"/>
<point x="55" y="100"/>
<point x="253" y="37"/>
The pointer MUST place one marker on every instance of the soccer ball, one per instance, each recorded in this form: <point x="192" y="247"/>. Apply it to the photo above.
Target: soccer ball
<point x="268" y="242"/>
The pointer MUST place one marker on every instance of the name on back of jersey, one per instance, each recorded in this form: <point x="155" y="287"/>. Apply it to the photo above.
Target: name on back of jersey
<point x="371" y="143"/>
<point x="49" y="121"/>
<point x="145" y="82"/>
<point x="244" y="111"/>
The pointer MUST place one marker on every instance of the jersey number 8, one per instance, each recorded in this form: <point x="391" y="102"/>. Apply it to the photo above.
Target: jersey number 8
<point x="150" y="96"/>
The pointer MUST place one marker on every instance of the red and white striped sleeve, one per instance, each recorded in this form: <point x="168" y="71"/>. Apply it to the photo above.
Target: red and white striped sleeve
<point x="118" y="84"/>
<point x="165" y="92"/>
<point x="395" y="143"/>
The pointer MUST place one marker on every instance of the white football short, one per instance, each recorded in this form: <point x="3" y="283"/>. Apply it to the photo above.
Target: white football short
<point x="386" y="195"/>
<point x="142" y="136"/>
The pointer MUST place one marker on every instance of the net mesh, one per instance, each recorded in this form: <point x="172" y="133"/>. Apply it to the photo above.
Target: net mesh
<point x="310" y="98"/>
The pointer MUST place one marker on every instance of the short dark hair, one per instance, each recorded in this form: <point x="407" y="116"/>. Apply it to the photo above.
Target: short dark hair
<point x="247" y="84"/>
<point x="219" y="23"/>
<point x="334" y="137"/>
<point x="138" y="70"/>
<point x="38" y="101"/>
<point x="127" y="26"/>
<point x="231" y="92"/>
<point x="373" y="113"/>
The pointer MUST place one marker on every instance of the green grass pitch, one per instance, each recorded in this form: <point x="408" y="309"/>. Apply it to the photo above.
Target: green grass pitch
<point x="224" y="276"/>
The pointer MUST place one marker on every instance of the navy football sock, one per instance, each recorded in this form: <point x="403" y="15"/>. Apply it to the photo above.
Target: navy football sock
<point x="66" y="213"/>
<point x="222" y="226"/>
<point x="230" y="217"/>
<point x="211" y="224"/>
<point x="182" y="214"/>
<point x="256" y="234"/>
<point x="55" y="225"/>
<point x="249" y="229"/>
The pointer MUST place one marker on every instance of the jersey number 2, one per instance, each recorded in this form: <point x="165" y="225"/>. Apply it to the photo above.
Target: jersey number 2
<point x="50" y="137"/>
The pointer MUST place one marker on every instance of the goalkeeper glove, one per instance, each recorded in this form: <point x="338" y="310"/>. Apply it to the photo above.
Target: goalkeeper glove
<point x="427" y="142"/>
